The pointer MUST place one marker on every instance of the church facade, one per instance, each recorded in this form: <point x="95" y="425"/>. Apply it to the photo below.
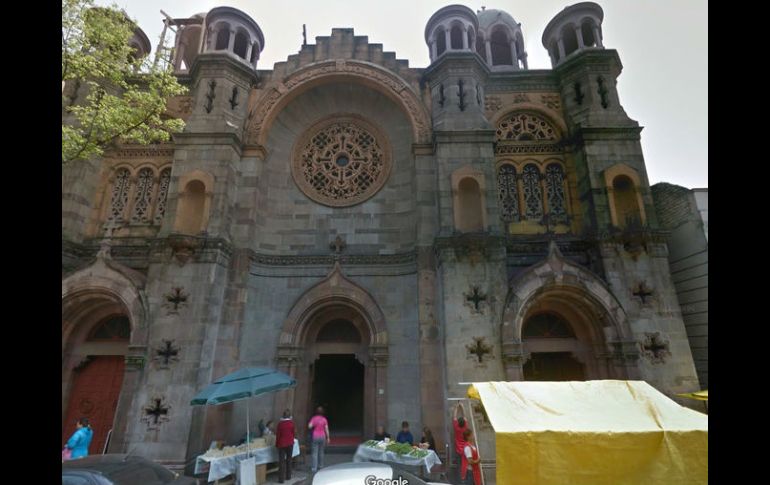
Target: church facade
<point x="380" y="232"/>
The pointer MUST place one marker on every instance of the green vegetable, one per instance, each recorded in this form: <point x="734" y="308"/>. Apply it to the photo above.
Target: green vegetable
<point x="400" y="448"/>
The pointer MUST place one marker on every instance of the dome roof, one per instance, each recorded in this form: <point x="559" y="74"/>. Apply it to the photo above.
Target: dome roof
<point x="492" y="16"/>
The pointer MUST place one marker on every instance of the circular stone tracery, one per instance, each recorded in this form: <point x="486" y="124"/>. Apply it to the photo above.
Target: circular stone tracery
<point x="341" y="161"/>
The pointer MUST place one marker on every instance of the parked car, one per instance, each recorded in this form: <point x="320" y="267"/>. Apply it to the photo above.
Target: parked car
<point x="119" y="469"/>
<point x="364" y="473"/>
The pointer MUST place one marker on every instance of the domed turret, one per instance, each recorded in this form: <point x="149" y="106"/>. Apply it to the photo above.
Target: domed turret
<point x="230" y="30"/>
<point x="140" y="43"/>
<point x="500" y="42"/>
<point x="452" y="28"/>
<point x="574" y="29"/>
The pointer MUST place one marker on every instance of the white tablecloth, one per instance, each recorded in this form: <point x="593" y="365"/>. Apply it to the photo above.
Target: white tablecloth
<point x="365" y="453"/>
<point x="220" y="467"/>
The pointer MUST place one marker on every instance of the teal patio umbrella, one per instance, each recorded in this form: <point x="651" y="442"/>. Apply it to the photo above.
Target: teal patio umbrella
<point x="243" y="384"/>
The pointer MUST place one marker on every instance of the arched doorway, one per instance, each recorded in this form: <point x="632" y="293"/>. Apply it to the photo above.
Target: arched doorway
<point x="337" y="354"/>
<point x="334" y="343"/>
<point x="94" y="369"/>
<point x="337" y="375"/>
<point x="561" y="322"/>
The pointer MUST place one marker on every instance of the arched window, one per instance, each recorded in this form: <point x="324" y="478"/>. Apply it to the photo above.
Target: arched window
<point x="223" y="37"/>
<point x="554" y="187"/>
<point x="569" y="38"/>
<point x="533" y="194"/>
<point x="469" y="199"/>
<point x="339" y="331"/>
<point x="160" y="204"/>
<point x="192" y="204"/>
<point x="626" y="206"/>
<point x="119" y="199"/>
<point x="113" y="329"/>
<point x="456" y="37"/>
<point x="508" y="193"/>
<point x="241" y="45"/>
<point x="587" y="31"/>
<point x="143" y="195"/>
<point x="546" y="325"/>
<point x="501" y="49"/>
<point x="440" y="42"/>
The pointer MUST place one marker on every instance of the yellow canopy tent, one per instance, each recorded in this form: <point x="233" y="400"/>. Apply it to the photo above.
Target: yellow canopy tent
<point x="700" y="395"/>
<point x="593" y="433"/>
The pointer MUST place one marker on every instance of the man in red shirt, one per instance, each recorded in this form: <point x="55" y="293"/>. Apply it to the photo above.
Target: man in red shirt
<point x="284" y="441"/>
<point x="460" y="425"/>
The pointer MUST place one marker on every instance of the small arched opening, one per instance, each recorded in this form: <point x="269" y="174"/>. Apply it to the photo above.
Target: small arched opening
<point x="501" y="49"/>
<point x="470" y="215"/>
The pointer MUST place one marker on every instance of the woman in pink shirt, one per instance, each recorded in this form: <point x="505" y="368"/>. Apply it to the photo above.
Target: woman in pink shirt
<point x="320" y="434"/>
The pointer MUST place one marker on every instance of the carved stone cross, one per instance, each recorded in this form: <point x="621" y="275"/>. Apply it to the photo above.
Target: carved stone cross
<point x="156" y="412"/>
<point x="176" y="298"/>
<point x="476" y="297"/>
<point x="337" y="245"/>
<point x="167" y="352"/>
<point x="655" y="348"/>
<point x="479" y="348"/>
<point x="642" y="292"/>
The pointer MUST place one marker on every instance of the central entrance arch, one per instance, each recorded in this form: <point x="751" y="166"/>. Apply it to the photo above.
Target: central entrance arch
<point x="334" y="343"/>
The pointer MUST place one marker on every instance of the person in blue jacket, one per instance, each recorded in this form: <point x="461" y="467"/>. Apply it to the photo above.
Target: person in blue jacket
<point x="80" y="440"/>
<point x="404" y="436"/>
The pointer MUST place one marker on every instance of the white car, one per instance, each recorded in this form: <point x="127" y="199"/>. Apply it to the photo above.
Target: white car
<point x="365" y="473"/>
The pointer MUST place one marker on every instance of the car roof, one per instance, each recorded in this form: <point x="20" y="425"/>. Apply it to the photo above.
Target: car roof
<point x="122" y="468"/>
<point x="351" y="473"/>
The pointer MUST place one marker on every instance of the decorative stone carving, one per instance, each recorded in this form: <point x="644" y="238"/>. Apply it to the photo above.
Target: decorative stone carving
<point x="520" y="98"/>
<point x="479" y="349"/>
<point x="654" y="347"/>
<point x="341" y="161"/>
<point x="492" y="103"/>
<point x="183" y="247"/>
<point x="398" y="88"/>
<point x="552" y="101"/>
<point x="166" y="353"/>
<point x="210" y="95"/>
<point x="642" y="292"/>
<point x="474" y="298"/>
<point x="175" y="299"/>
<point x="525" y="127"/>
<point x="337" y="245"/>
<point x="134" y="362"/>
<point x="156" y="412"/>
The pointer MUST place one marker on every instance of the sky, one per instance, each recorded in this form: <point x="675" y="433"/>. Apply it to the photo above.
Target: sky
<point x="663" y="45"/>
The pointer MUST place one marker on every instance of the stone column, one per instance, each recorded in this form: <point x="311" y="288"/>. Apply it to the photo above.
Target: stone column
<point x="598" y="37"/>
<point x="579" y="34"/>
<point x="255" y="45"/>
<point x="232" y="41"/>
<point x="465" y="37"/>
<point x="562" y="55"/>
<point x="514" y="55"/>
<point x="488" y="48"/>
<point x="524" y="59"/>
<point x="211" y="39"/>
<point x="248" y="52"/>
<point x="448" y="37"/>
<point x="433" y="53"/>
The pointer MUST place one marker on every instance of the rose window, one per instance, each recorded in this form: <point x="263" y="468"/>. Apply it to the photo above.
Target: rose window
<point x="341" y="162"/>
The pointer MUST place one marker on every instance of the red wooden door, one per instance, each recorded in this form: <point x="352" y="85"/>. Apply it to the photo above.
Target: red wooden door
<point x="94" y="395"/>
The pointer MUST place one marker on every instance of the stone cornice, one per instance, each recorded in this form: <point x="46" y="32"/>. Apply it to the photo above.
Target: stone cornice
<point x="219" y="61"/>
